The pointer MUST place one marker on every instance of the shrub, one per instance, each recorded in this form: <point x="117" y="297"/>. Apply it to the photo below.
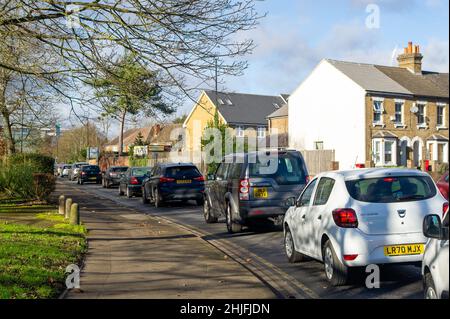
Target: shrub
<point x="43" y="185"/>
<point x="41" y="163"/>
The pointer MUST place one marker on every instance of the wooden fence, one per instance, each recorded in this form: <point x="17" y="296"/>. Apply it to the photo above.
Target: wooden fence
<point x="318" y="161"/>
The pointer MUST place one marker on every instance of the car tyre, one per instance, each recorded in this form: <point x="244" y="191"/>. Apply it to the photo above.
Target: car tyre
<point x="232" y="227"/>
<point x="209" y="218"/>
<point x="120" y="191"/>
<point x="157" y="199"/>
<point x="430" y="289"/>
<point x="289" y="247"/>
<point x="103" y="183"/>
<point x="144" y="196"/>
<point x="335" y="271"/>
<point x="200" y="202"/>
<point x="129" y="193"/>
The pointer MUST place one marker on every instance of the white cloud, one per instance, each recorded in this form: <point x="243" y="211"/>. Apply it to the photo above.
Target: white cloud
<point x="435" y="54"/>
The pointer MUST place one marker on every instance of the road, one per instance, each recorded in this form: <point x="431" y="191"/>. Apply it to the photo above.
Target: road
<point x="262" y="253"/>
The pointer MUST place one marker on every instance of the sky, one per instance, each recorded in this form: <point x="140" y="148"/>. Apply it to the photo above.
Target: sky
<point x="297" y="34"/>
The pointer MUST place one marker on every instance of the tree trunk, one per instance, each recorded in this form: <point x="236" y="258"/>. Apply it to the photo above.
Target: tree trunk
<point x="122" y="124"/>
<point x="11" y="145"/>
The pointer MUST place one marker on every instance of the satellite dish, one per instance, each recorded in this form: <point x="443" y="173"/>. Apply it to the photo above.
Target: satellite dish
<point x="414" y="109"/>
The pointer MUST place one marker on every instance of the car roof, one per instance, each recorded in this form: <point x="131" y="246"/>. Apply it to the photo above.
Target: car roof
<point x="265" y="151"/>
<point x="176" y="164"/>
<point x="372" y="173"/>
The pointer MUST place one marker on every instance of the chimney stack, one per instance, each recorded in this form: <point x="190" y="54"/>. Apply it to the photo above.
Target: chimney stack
<point x="411" y="59"/>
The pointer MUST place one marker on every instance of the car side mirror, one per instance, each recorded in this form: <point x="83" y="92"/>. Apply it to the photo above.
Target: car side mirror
<point x="211" y="177"/>
<point x="290" y="202"/>
<point x="432" y="227"/>
<point x="298" y="203"/>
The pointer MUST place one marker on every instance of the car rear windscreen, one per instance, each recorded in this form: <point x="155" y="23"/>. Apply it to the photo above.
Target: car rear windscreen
<point x="119" y="169"/>
<point x="140" y="171"/>
<point x="181" y="172"/>
<point x="285" y="169"/>
<point x="391" y="189"/>
<point x="91" y="168"/>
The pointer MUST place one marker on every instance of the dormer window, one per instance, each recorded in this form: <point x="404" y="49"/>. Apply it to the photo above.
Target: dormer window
<point x="220" y="101"/>
<point x="229" y="102"/>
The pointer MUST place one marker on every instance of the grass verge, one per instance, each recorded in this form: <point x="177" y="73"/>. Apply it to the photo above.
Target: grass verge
<point x="35" y="251"/>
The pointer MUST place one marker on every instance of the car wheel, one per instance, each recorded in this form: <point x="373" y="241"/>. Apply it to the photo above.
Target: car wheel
<point x="335" y="272"/>
<point x="129" y="193"/>
<point x="107" y="184"/>
<point x="209" y="218"/>
<point x="289" y="247"/>
<point x="120" y="190"/>
<point x="430" y="290"/>
<point x="144" y="196"/>
<point x="157" y="199"/>
<point x="200" y="202"/>
<point x="231" y="226"/>
<point x="103" y="183"/>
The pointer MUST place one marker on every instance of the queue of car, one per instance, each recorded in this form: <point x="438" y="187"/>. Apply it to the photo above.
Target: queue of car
<point x="344" y="219"/>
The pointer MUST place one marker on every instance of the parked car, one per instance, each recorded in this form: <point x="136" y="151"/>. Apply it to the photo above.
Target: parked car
<point x="89" y="174"/>
<point x="65" y="170"/>
<point x="131" y="181"/>
<point x="251" y="188"/>
<point x="74" y="170"/>
<point x="171" y="182"/>
<point x="355" y="218"/>
<point x="111" y="177"/>
<point x="442" y="184"/>
<point x="435" y="259"/>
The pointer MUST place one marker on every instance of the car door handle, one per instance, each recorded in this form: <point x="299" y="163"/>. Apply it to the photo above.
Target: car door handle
<point x="320" y="217"/>
<point x="304" y="216"/>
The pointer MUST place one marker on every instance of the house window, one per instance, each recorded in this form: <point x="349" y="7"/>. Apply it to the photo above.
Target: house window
<point x="421" y="114"/>
<point x="377" y="152"/>
<point x="384" y="152"/>
<point x="239" y="131"/>
<point x="377" y="112"/>
<point x="398" y="113"/>
<point x="388" y="146"/>
<point x="261" y="132"/>
<point x="318" y="145"/>
<point x="440" y="115"/>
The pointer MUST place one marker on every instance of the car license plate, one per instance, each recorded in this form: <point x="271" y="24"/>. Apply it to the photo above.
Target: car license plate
<point x="261" y="192"/>
<point x="400" y="250"/>
<point x="184" y="181"/>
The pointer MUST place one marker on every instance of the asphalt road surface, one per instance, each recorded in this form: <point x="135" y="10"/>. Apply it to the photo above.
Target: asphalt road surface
<point x="266" y="246"/>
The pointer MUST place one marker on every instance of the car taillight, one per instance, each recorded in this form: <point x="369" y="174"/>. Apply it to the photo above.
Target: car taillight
<point x="134" y="181"/>
<point x="444" y="209"/>
<point x="199" y="179"/>
<point x="244" y="189"/>
<point x="166" y="179"/>
<point x="83" y="173"/>
<point x="345" y="218"/>
<point x="350" y="257"/>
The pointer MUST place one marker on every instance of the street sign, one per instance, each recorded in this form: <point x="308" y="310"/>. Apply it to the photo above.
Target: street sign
<point x="140" y="150"/>
<point x="92" y="153"/>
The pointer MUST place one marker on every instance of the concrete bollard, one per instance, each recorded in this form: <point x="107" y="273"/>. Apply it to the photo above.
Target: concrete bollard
<point x="74" y="214"/>
<point x="68" y="204"/>
<point x="61" y="207"/>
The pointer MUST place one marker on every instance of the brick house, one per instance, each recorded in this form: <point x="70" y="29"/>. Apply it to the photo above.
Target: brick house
<point x="373" y="115"/>
<point x="246" y="114"/>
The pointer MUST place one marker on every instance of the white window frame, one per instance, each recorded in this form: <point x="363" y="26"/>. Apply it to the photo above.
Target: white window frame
<point x="434" y="145"/>
<point x="240" y="131"/>
<point x="400" y="124"/>
<point x="316" y="145"/>
<point x="382" y="151"/>
<point x="259" y="130"/>
<point x="381" y="111"/>
<point x="424" y="124"/>
<point x="442" y="106"/>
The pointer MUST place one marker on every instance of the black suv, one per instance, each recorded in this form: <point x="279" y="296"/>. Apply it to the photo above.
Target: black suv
<point x="112" y="175"/>
<point x="250" y="188"/>
<point x="89" y="173"/>
<point x="170" y="182"/>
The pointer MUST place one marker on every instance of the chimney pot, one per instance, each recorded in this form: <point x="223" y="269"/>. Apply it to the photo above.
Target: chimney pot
<point x="411" y="59"/>
<point x="410" y="47"/>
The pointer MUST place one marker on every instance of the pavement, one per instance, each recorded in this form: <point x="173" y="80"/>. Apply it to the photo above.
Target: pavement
<point x="134" y="255"/>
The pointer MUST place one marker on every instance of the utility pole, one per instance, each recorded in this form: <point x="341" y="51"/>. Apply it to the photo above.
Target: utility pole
<point x="21" y="132"/>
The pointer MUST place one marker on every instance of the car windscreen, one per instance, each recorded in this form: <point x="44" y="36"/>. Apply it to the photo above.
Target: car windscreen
<point x="67" y="167"/>
<point x="180" y="172"/>
<point x="91" y="168"/>
<point x="391" y="189"/>
<point x="285" y="169"/>
<point x="138" y="172"/>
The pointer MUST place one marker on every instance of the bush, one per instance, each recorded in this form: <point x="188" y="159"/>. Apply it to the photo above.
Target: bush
<point x="139" y="162"/>
<point x="43" y="185"/>
<point x="41" y="163"/>
<point x="22" y="176"/>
